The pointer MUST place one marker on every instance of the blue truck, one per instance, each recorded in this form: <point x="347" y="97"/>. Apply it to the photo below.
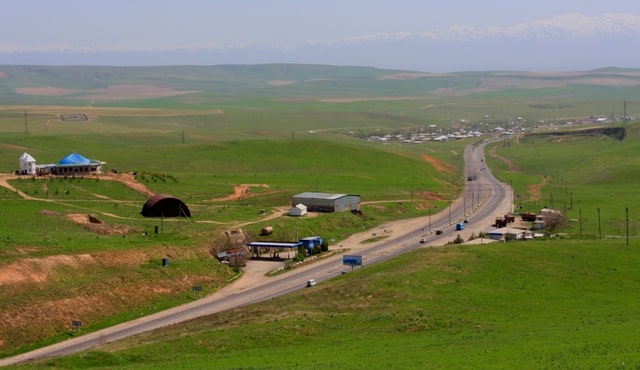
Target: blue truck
<point x="460" y="226"/>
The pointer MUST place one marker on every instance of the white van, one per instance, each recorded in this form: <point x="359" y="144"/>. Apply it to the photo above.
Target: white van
<point x="311" y="282"/>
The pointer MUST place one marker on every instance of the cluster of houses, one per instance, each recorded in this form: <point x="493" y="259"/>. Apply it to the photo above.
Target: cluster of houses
<point x="423" y="137"/>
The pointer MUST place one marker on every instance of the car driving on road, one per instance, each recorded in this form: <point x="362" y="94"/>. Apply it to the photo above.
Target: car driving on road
<point x="311" y="282"/>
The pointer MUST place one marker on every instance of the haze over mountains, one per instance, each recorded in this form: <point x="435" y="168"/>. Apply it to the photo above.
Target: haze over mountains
<point x="562" y="43"/>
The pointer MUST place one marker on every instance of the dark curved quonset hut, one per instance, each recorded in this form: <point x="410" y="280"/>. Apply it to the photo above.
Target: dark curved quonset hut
<point x="163" y="205"/>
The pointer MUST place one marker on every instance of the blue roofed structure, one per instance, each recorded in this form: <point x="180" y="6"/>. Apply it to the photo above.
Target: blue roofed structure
<point x="74" y="159"/>
<point x="74" y="164"/>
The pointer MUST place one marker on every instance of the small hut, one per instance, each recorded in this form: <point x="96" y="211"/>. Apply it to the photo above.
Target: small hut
<point x="163" y="205"/>
<point x="299" y="210"/>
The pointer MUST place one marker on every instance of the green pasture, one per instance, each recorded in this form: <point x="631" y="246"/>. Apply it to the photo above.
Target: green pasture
<point x="200" y="172"/>
<point x="592" y="177"/>
<point x="286" y="129"/>
<point x="548" y="304"/>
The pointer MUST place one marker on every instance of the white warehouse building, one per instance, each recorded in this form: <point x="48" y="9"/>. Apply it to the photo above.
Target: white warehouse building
<point x="326" y="202"/>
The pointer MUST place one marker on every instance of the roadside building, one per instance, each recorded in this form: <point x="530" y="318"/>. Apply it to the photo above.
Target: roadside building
<point x="510" y="233"/>
<point x="326" y="202"/>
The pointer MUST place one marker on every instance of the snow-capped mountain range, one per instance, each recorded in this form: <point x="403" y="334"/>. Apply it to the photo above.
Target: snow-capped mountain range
<point x="567" y="42"/>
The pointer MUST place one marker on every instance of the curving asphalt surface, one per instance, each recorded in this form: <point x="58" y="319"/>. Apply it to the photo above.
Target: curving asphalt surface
<point x="483" y="199"/>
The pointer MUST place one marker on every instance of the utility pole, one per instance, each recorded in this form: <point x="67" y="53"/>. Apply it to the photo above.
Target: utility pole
<point x="464" y="207"/>
<point x="626" y="209"/>
<point x="580" y="212"/>
<point x="599" y="225"/>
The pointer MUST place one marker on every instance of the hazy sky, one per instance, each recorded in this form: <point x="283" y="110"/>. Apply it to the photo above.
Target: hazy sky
<point x="72" y="26"/>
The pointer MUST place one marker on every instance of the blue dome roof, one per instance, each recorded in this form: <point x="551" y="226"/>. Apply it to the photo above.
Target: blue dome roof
<point x="74" y="158"/>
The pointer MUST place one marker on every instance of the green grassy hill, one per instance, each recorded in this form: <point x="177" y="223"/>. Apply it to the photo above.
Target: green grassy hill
<point x="558" y="304"/>
<point x="197" y="132"/>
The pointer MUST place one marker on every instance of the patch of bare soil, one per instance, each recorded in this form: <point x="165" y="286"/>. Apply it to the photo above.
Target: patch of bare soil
<point x="135" y="91"/>
<point x="512" y="166"/>
<point x="38" y="269"/>
<point x="94" y="224"/>
<point x="44" y="315"/>
<point x="41" y="318"/>
<point x="428" y="195"/>
<point x="382" y="98"/>
<point x="439" y="165"/>
<point x="13" y="147"/>
<point x="45" y="91"/>
<point x="240" y="192"/>
<point x="130" y="181"/>
<point x="536" y="190"/>
<point x="410" y="75"/>
<point x="112" y="92"/>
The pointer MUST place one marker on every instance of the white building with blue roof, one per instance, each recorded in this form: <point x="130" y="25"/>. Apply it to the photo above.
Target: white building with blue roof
<point x="71" y="165"/>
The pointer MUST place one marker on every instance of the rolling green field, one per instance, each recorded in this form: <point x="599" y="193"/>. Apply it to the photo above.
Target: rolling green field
<point x="285" y="129"/>
<point x="590" y="177"/>
<point x="540" y="305"/>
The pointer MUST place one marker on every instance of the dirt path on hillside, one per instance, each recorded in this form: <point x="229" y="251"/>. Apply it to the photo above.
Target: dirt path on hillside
<point x="512" y="166"/>
<point x="536" y="189"/>
<point x="240" y="192"/>
<point x="4" y="182"/>
<point x="127" y="179"/>
<point x="438" y="164"/>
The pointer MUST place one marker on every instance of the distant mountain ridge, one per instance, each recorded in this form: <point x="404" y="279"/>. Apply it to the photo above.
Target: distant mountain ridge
<point x="567" y="42"/>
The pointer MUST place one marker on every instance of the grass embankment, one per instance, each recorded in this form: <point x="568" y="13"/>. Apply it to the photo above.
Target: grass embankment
<point x="549" y="304"/>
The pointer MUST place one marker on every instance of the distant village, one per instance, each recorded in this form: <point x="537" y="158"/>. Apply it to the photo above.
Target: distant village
<point x="464" y="129"/>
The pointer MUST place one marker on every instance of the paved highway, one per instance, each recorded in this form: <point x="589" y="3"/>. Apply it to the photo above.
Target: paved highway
<point x="483" y="199"/>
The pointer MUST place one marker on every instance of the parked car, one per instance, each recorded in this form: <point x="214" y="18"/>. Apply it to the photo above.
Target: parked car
<point x="311" y="282"/>
<point x="439" y="232"/>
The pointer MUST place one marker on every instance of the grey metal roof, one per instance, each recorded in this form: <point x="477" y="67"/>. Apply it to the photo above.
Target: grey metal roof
<point x="315" y="195"/>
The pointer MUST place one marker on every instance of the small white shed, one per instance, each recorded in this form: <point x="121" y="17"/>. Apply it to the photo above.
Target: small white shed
<point x="27" y="164"/>
<point x="299" y="210"/>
